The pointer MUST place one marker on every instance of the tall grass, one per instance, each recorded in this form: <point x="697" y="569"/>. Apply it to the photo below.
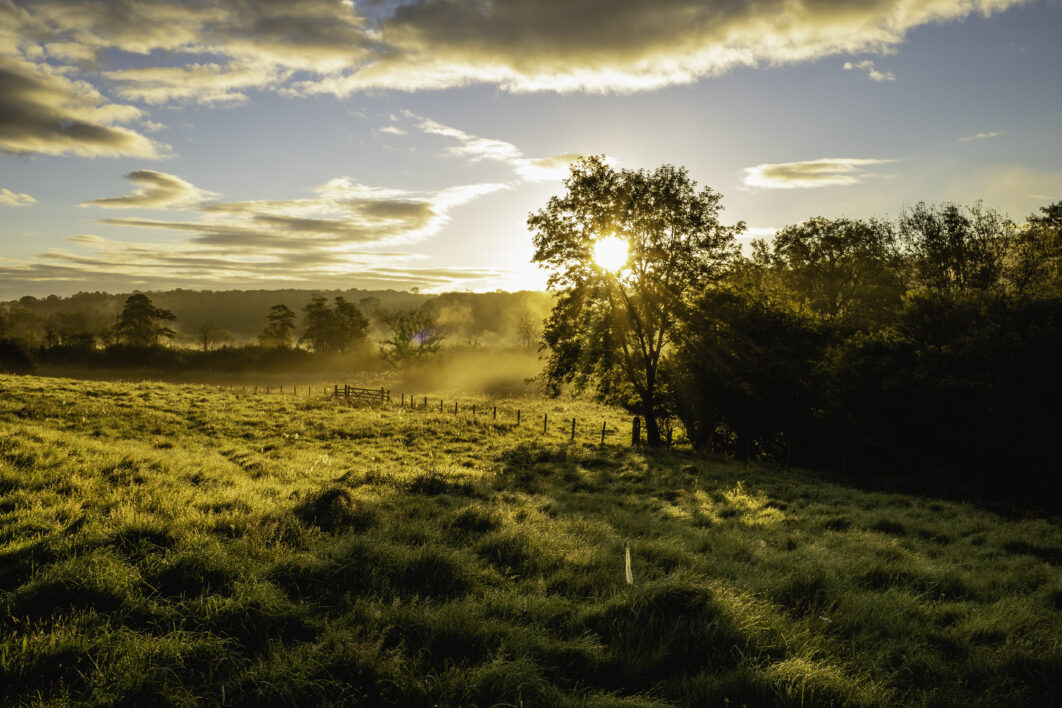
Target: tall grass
<point x="187" y="545"/>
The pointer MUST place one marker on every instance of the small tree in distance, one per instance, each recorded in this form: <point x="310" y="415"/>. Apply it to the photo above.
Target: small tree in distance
<point x="140" y="323"/>
<point x="612" y="329"/>
<point x="280" y="332"/>
<point x="414" y="333"/>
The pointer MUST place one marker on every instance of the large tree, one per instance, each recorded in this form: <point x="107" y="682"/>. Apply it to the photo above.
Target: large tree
<point x="842" y="269"/>
<point x="141" y="323"/>
<point x="955" y="249"/>
<point x="615" y="315"/>
<point x="338" y="329"/>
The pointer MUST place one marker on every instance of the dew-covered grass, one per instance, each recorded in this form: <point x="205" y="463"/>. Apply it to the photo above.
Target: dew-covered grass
<point x="165" y="544"/>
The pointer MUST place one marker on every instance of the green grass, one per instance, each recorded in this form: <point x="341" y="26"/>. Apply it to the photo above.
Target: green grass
<point x="187" y="545"/>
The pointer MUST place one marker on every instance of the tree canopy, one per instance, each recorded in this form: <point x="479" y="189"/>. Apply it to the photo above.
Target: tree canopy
<point x="280" y="331"/>
<point x="140" y="323"/>
<point x="338" y="329"/>
<point x="611" y="329"/>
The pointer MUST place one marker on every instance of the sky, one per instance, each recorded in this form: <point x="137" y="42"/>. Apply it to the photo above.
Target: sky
<point x="333" y="144"/>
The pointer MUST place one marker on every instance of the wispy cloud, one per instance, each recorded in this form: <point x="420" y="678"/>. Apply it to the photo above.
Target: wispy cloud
<point x="345" y="232"/>
<point x="873" y="74"/>
<point x="156" y="190"/>
<point x="15" y="199"/>
<point x="477" y="149"/>
<point x="982" y="136"/>
<point x="826" y="172"/>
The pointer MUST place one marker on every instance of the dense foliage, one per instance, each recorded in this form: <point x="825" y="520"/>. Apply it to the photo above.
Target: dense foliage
<point x="925" y="349"/>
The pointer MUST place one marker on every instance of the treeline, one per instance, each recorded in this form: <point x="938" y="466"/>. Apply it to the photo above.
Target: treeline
<point x="925" y="348"/>
<point x="221" y="331"/>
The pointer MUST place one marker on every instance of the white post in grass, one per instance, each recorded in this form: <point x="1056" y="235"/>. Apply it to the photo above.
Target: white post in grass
<point x="627" y="553"/>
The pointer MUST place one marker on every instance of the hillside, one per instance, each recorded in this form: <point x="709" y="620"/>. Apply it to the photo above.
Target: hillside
<point x="190" y="545"/>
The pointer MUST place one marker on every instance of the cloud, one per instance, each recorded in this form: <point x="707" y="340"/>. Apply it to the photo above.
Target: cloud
<point x="345" y="232"/>
<point x="214" y="51"/>
<point x="624" y="45"/>
<point x="872" y="73"/>
<point x="194" y="83"/>
<point x="982" y="136"/>
<point x="44" y="112"/>
<point x="391" y="130"/>
<point x="827" y="172"/>
<point x="15" y="199"/>
<point x="156" y="190"/>
<point x="477" y="149"/>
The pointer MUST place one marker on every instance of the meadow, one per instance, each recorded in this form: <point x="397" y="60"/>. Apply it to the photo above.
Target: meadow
<point x="188" y="545"/>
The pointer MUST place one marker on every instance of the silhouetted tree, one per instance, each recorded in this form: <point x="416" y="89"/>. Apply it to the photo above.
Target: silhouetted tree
<point x="280" y="332"/>
<point x="955" y="249"/>
<point x="337" y="329"/>
<point x="140" y="324"/>
<point x="1034" y="259"/>
<point x="414" y="334"/>
<point x="611" y="330"/>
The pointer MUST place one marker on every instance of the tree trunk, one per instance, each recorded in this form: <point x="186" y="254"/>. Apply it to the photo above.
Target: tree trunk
<point x="652" y="430"/>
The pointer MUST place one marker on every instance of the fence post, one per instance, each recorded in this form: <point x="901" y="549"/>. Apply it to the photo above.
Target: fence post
<point x="602" y="432"/>
<point x="573" y="429"/>
<point x="425" y="403"/>
<point x="636" y="432"/>
<point x="473" y="410"/>
<point x="455" y="407"/>
<point x="518" y="416"/>
<point x="403" y="400"/>
<point x="440" y="405"/>
<point x="545" y="418"/>
<point x="267" y="388"/>
<point x="495" y="412"/>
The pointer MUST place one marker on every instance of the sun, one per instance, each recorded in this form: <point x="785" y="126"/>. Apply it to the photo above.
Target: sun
<point x="611" y="253"/>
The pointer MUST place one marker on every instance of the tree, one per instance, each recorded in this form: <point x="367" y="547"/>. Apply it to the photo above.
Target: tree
<point x="1034" y="259"/>
<point x="210" y="335"/>
<point x="527" y="330"/>
<point x="612" y="329"/>
<point x="280" y="332"/>
<point x="842" y="269"/>
<point x="955" y="249"/>
<point x="337" y="329"/>
<point x="414" y="334"/>
<point x="140" y="323"/>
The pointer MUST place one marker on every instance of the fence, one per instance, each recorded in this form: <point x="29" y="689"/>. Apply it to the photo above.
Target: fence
<point x="381" y="396"/>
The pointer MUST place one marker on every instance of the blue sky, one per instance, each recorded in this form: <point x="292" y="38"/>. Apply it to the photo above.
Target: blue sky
<point x="216" y="144"/>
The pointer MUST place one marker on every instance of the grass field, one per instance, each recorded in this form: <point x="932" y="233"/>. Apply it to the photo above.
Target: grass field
<point x="164" y="544"/>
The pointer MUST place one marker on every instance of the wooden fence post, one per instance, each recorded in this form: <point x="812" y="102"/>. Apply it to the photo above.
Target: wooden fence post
<point x="473" y="410"/>
<point x="455" y="407"/>
<point x="425" y="403"/>
<point x="636" y="432"/>
<point x="518" y="416"/>
<point x="545" y="419"/>
<point x="573" y="429"/>
<point x="495" y="412"/>
<point x="602" y="432"/>
<point x="440" y="405"/>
